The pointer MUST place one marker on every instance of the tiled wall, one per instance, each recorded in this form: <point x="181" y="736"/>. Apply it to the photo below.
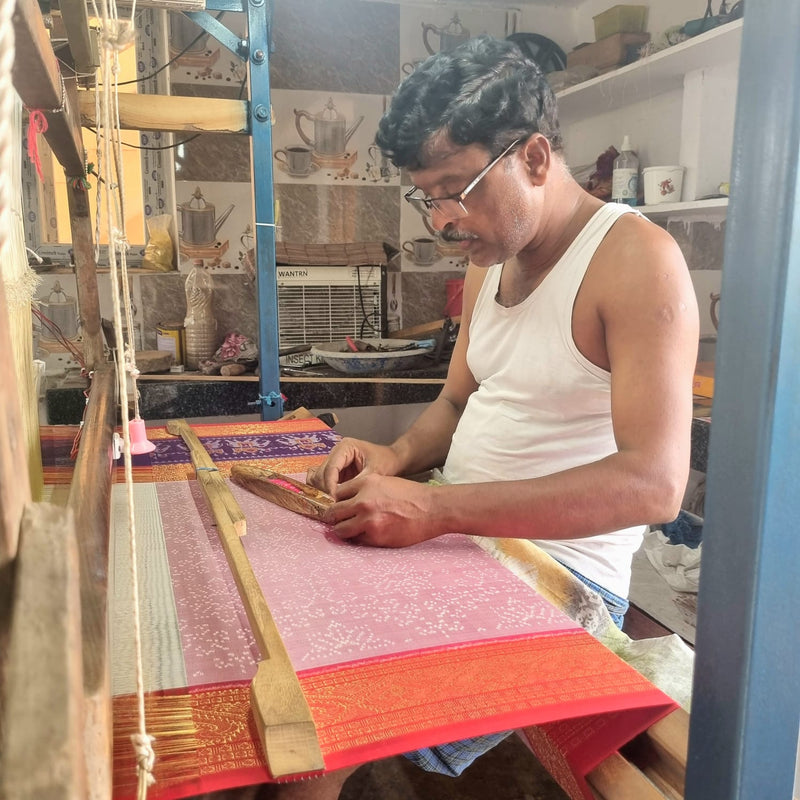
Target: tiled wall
<point x="348" y="54"/>
<point x="340" y="60"/>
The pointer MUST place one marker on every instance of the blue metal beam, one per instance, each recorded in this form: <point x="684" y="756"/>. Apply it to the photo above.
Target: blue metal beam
<point x="226" y="5"/>
<point x="746" y="699"/>
<point x="225" y="37"/>
<point x="259" y="28"/>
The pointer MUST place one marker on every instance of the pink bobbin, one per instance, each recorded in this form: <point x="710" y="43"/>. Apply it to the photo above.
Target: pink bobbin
<point x="139" y="441"/>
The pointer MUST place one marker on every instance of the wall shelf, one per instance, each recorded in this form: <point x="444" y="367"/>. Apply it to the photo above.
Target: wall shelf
<point x="654" y="75"/>
<point x="716" y="206"/>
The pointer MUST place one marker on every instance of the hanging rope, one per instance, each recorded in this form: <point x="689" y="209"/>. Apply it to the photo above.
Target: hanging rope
<point x="6" y="114"/>
<point x="115" y="36"/>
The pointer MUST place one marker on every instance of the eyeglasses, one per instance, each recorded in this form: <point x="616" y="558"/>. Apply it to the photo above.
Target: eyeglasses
<point x="452" y="206"/>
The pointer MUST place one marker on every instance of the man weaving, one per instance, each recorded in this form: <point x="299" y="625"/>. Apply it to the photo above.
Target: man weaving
<point x="565" y="416"/>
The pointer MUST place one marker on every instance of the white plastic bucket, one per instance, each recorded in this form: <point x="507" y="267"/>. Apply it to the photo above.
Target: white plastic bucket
<point x="662" y="185"/>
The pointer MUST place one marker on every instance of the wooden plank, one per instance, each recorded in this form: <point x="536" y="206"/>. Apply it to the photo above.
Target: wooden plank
<point x="153" y="112"/>
<point x="90" y="500"/>
<point x="82" y="43"/>
<point x="618" y="779"/>
<point x="15" y="488"/>
<point x="36" y="74"/>
<point x="38" y="82"/>
<point x="80" y="224"/>
<point x="42" y="753"/>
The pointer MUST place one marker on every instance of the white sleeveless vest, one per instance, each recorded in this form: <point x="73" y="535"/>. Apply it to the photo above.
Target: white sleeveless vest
<point x="540" y="406"/>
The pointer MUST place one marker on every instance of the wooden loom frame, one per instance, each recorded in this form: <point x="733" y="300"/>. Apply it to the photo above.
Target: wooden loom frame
<point x="56" y="676"/>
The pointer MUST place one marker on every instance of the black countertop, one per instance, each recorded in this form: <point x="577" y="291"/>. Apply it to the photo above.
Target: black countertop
<point x="196" y="395"/>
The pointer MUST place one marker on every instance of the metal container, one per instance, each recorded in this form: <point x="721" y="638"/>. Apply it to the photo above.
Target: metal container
<point x="450" y="36"/>
<point x="199" y="225"/>
<point x="62" y="311"/>
<point x="331" y="133"/>
<point x="171" y="337"/>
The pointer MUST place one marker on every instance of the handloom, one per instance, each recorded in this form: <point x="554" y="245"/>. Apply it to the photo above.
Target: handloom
<point x="392" y="647"/>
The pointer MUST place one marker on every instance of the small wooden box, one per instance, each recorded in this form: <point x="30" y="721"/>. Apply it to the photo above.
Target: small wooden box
<point x="613" y="51"/>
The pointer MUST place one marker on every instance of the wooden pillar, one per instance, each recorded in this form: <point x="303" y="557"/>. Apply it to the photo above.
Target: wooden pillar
<point x="15" y="489"/>
<point x="86" y="276"/>
<point x="42" y="704"/>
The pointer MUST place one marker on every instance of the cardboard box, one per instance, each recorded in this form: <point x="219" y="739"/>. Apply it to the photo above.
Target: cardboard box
<point x="620" y="19"/>
<point x="703" y="383"/>
<point x="613" y="51"/>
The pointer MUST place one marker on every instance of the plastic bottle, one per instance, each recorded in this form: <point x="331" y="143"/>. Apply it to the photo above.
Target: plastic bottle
<point x="625" y="176"/>
<point x="201" y="327"/>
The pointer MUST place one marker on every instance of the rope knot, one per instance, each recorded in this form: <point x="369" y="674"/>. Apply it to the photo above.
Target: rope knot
<point x="120" y="240"/>
<point x="145" y="756"/>
<point x="117" y="34"/>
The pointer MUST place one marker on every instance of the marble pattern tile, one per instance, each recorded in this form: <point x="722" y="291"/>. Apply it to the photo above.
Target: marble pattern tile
<point x="163" y="301"/>
<point x="425" y="296"/>
<point x="347" y="46"/>
<point x="234" y="304"/>
<point x="214" y="157"/>
<point x="335" y="214"/>
<point x="702" y="243"/>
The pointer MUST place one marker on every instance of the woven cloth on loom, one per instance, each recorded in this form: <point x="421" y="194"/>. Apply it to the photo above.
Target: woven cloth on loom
<point x="394" y="649"/>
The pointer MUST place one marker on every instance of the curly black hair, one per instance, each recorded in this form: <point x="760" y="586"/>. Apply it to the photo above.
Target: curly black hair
<point x="485" y="91"/>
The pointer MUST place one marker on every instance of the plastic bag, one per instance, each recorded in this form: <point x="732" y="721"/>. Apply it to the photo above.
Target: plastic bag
<point x="158" y="251"/>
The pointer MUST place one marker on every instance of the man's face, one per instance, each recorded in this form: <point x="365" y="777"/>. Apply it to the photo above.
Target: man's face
<point x="496" y="219"/>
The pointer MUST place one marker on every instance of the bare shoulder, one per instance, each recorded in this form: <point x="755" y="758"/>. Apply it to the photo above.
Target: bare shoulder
<point x="639" y="264"/>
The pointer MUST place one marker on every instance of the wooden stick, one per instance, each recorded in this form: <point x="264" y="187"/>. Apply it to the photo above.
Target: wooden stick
<point x="618" y="779"/>
<point x="204" y="465"/>
<point x="155" y="112"/>
<point x="283" y="717"/>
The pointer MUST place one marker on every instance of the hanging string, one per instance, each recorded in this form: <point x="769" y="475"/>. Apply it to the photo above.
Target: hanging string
<point x="115" y="36"/>
<point x="6" y="115"/>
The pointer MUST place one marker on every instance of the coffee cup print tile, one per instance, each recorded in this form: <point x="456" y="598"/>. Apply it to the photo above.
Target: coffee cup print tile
<point x="296" y="160"/>
<point x="422" y="249"/>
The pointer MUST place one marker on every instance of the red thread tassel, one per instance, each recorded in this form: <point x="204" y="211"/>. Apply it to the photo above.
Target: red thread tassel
<point x="37" y="124"/>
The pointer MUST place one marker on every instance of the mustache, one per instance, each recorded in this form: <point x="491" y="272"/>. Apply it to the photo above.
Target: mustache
<point x="451" y="234"/>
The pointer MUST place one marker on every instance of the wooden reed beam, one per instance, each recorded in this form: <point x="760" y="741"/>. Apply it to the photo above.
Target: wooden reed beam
<point x="37" y="80"/>
<point x="90" y="500"/>
<point x="153" y="112"/>
<point x="208" y="474"/>
<point x="283" y="717"/>
<point x="42" y="724"/>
